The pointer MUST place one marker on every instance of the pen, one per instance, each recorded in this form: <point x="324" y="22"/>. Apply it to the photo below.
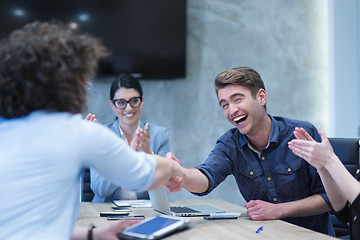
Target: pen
<point x="259" y="229"/>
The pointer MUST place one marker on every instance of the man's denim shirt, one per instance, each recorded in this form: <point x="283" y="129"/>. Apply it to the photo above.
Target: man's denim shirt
<point x="276" y="176"/>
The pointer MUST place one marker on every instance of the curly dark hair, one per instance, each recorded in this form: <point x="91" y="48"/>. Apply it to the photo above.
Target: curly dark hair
<point x="46" y="66"/>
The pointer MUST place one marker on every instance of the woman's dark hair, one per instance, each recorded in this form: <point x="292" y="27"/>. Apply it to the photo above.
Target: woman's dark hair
<point x="125" y="81"/>
<point x="46" y="66"/>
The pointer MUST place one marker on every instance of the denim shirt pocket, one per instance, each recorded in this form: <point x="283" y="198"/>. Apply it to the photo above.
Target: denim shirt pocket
<point x="291" y="181"/>
<point x="249" y="181"/>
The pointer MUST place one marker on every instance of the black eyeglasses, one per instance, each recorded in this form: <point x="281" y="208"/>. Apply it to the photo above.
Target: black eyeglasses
<point x="121" y="103"/>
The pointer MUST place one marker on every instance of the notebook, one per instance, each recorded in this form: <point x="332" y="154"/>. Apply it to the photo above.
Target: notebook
<point x="160" y="203"/>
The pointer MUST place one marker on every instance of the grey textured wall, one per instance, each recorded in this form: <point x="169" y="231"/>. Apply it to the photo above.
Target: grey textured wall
<point x="285" y="41"/>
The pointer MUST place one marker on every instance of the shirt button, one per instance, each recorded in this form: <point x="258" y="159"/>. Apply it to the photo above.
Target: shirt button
<point x="263" y="158"/>
<point x="275" y="199"/>
<point x="355" y="219"/>
<point x="251" y="173"/>
<point x="269" y="178"/>
<point x="289" y="169"/>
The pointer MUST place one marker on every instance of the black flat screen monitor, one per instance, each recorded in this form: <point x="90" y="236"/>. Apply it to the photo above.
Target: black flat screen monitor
<point x="146" y="38"/>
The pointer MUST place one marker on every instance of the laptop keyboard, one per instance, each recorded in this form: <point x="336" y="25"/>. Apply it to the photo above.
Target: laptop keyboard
<point x="183" y="209"/>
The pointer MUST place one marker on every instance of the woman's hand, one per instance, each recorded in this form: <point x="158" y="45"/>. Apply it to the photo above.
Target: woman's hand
<point x="91" y="117"/>
<point x="141" y="141"/>
<point x="304" y="146"/>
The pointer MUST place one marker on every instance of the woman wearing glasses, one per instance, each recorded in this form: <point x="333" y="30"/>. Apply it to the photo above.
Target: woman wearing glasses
<point x="126" y="100"/>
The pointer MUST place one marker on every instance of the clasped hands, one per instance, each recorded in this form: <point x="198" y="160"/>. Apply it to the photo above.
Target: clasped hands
<point x="175" y="184"/>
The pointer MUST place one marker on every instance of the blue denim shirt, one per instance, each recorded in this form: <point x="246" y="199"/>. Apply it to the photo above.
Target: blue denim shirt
<point x="275" y="175"/>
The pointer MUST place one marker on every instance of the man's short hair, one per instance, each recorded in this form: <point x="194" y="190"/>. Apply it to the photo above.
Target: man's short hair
<point x="243" y="76"/>
<point x="46" y="66"/>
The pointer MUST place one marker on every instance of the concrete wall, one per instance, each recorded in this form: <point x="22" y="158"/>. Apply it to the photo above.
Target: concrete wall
<point x="285" y="41"/>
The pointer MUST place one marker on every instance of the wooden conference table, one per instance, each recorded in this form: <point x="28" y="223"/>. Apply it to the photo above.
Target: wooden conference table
<point x="242" y="228"/>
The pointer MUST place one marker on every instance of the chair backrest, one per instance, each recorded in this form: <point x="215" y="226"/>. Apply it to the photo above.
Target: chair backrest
<point x="86" y="193"/>
<point x="347" y="149"/>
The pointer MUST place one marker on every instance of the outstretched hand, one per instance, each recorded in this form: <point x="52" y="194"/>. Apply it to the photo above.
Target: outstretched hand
<point x="304" y="146"/>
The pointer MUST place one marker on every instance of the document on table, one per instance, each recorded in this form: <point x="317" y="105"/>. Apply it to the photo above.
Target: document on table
<point x="133" y="203"/>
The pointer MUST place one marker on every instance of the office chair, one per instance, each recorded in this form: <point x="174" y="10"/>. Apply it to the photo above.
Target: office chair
<point x="347" y="149"/>
<point x="86" y="193"/>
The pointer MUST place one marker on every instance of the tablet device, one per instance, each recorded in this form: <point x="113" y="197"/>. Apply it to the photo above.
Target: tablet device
<point x="155" y="227"/>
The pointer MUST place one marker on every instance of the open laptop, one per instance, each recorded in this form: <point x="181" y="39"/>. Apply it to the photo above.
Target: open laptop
<point x="160" y="203"/>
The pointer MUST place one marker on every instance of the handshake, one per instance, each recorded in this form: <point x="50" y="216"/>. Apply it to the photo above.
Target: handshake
<point x="191" y="179"/>
<point x="175" y="183"/>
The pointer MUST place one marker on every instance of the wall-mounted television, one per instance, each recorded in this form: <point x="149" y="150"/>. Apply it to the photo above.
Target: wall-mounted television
<point x="147" y="38"/>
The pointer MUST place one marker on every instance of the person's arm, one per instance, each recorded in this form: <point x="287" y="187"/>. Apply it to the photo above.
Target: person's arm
<point x="98" y="184"/>
<point x="339" y="184"/>
<point x="107" y="233"/>
<point x="165" y="169"/>
<point x="261" y="210"/>
<point x="193" y="179"/>
<point x="194" y="175"/>
<point x="333" y="191"/>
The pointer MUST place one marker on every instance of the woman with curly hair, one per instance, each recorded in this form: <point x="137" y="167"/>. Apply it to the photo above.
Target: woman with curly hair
<point x="44" y="143"/>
